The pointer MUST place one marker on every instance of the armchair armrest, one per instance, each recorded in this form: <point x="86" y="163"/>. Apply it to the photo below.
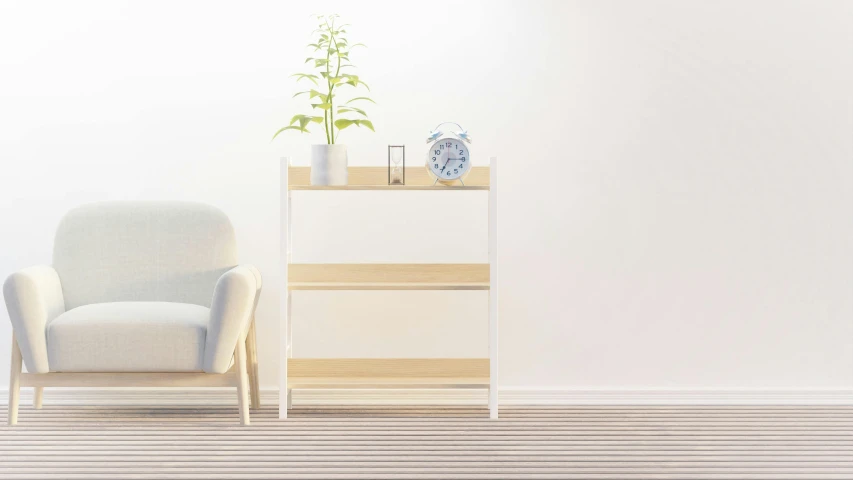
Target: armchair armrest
<point x="33" y="298"/>
<point x="234" y="299"/>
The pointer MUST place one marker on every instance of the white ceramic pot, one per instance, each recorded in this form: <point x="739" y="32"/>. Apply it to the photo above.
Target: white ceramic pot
<point x="328" y="164"/>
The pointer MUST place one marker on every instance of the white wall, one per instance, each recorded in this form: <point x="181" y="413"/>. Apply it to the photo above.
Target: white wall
<point x="676" y="185"/>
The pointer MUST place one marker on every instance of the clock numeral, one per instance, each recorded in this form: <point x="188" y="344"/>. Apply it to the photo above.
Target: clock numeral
<point x="448" y="173"/>
<point x="438" y="152"/>
<point x="436" y="165"/>
<point x="461" y="152"/>
<point x="441" y="147"/>
<point x="463" y="159"/>
<point x="455" y="171"/>
<point x="448" y="144"/>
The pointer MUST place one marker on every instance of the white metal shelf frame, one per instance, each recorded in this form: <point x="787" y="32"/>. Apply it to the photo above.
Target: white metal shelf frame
<point x="395" y="373"/>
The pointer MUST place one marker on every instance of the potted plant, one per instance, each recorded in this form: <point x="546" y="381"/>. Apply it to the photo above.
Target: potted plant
<point x="330" y="59"/>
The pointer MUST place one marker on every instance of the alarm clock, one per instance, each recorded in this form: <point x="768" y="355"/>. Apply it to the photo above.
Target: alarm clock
<point x="448" y="159"/>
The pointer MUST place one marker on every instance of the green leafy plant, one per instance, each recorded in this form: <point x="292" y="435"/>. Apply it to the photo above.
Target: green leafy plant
<point x="330" y="58"/>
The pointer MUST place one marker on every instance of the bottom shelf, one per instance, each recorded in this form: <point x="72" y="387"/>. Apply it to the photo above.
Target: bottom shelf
<point x="388" y="373"/>
<point x="386" y="382"/>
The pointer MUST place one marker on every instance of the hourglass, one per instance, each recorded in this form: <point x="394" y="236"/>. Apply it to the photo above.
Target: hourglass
<point x="396" y="164"/>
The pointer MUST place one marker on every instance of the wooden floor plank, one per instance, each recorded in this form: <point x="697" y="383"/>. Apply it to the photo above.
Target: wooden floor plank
<point x="431" y="442"/>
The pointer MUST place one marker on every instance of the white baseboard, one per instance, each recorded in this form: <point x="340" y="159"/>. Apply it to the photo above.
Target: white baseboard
<point x="534" y="396"/>
<point x="508" y="396"/>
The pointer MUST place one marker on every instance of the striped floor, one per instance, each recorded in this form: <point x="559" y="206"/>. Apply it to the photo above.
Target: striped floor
<point x="548" y="442"/>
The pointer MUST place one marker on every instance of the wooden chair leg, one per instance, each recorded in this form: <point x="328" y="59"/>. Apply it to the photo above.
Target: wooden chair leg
<point x="15" y="382"/>
<point x="38" y="397"/>
<point x="253" y="401"/>
<point x="252" y="353"/>
<point x="242" y="382"/>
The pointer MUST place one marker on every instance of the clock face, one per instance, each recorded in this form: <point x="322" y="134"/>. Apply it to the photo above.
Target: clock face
<point x="448" y="159"/>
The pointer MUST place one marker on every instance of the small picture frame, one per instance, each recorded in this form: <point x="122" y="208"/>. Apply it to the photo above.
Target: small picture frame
<point x="396" y="164"/>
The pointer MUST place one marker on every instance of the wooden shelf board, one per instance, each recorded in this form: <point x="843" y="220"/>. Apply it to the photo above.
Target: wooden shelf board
<point x="376" y="178"/>
<point x="411" y="276"/>
<point x="385" y="286"/>
<point x="388" y="367"/>
<point x="388" y="382"/>
<point x="388" y="187"/>
<point x="388" y="372"/>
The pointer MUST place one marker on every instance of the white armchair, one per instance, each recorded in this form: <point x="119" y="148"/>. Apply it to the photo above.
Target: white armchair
<point x="139" y="294"/>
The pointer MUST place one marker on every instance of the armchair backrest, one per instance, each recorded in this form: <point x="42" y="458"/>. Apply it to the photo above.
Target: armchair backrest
<point x="142" y="251"/>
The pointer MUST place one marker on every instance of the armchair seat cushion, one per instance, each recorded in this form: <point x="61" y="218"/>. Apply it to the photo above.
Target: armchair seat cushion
<point x="128" y="337"/>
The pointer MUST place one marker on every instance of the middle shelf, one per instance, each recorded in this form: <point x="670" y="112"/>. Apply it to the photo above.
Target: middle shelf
<point x="388" y="276"/>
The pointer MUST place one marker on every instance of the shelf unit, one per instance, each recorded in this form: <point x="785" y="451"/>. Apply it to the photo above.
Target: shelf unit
<point x="387" y="372"/>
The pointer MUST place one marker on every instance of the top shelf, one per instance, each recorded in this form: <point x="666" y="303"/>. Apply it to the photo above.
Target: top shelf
<point x="376" y="178"/>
